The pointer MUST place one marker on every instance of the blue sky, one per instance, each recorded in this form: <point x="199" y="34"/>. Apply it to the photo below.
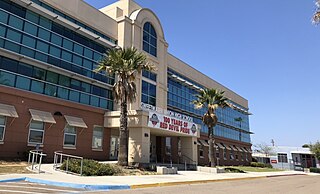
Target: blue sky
<point x="266" y="51"/>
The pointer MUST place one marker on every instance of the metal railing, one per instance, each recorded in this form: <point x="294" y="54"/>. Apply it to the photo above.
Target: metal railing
<point x="190" y="161"/>
<point x="59" y="158"/>
<point x="35" y="157"/>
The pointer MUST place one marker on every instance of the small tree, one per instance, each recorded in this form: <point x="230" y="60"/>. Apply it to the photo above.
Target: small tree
<point x="315" y="148"/>
<point x="211" y="99"/>
<point x="125" y="64"/>
<point x="306" y="145"/>
<point x="316" y="15"/>
<point x="263" y="148"/>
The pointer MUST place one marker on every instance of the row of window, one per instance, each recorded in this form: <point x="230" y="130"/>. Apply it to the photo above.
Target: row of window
<point x="74" y="21"/>
<point x="37" y="133"/>
<point x="37" y="19"/>
<point x="232" y="154"/>
<point x="50" y="48"/>
<point x="150" y="75"/>
<point x="51" y="77"/>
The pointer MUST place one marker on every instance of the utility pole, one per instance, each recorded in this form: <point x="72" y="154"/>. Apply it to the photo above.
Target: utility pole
<point x="272" y="142"/>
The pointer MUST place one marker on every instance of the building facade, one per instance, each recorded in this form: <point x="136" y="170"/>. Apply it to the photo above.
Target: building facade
<point x="51" y="97"/>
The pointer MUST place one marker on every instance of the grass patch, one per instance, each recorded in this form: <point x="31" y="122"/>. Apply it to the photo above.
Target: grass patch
<point x="254" y="169"/>
<point x="14" y="168"/>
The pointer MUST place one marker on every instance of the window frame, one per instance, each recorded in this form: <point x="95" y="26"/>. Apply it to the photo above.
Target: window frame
<point x="148" y="43"/>
<point x="38" y="130"/>
<point x="4" y="128"/>
<point x="282" y="157"/>
<point x="201" y="150"/>
<point x="93" y="137"/>
<point x="71" y="134"/>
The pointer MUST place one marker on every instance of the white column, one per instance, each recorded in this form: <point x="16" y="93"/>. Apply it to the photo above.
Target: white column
<point x="189" y="149"/>
<point x="139" y="145"/>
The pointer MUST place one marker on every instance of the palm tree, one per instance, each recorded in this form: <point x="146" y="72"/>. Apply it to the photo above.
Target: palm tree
<point x="211" y="99"/>
<point x="316" y="16"/>
<point x="125" y="64"/>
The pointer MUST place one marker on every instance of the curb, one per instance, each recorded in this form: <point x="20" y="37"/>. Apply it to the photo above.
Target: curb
<point x="164" y="184"/>
<point x="69" y="185"/>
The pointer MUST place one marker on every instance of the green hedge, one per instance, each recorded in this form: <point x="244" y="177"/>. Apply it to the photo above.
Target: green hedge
<point x="90" y="168"/>
<point x="315" y="170"/>
<point x="260" y="165"/>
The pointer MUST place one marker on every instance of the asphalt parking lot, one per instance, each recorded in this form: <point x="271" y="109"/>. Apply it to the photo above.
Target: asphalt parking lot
<point x="34" y="188"/>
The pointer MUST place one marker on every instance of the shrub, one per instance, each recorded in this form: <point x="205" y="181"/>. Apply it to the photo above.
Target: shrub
<point x="315" y="170"/>
<point x="260" y="165"/>
<point x="233" y="170"/>
<point x="90" y="167"/>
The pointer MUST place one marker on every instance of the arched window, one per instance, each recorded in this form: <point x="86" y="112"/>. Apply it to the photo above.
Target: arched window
<point x="149" y="39"/>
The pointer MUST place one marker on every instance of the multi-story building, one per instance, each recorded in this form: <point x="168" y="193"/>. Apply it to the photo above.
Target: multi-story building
<point x="51" y="98"/>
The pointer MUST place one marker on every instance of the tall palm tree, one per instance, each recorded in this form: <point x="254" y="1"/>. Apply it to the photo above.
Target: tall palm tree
<point x="125" y="64"/>
<point x="316" y="15"/>
<point x="211" y="99"/>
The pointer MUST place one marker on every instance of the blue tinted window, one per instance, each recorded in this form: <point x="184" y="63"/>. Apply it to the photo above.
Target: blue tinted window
<point x="149" y="39"/>
<point x="88" y="53"/>
<point x="30" y="28"/>
<point x="84" y="98"/>
<point x="9" y="64"/>
<point x="64" y="80"/>
<point x="50" y="90"/>
<point x="27" y="52"/>
<point x="66" y="56"/>
<point x="44" y="34"/>
<point x="78" y="49"/>
<point x="37" y="86"/>
<point x="67" y="44"/>
<point x="74" y="96"/>
<point x="32" y="17"/>
<point x="23" y="83"/>
<point x="55" y="39"/>
<point x="29" y="41"/>
<point x="55" y="51"/>
<point x="14" y="35"/>
<point x="63" y="93"/>
<point x="7" y="79"/>
<point x="39" y="73"/>
<point x="52" y="77"/>
<point x="25" y="69"/>
<point x="3" y="17"/>
<point x="94" y="101"/>
<point x="44" y="22"/>
<point x="15" y="22"/>
<point x="42" y="46"/>
<point x="2" y="31"/>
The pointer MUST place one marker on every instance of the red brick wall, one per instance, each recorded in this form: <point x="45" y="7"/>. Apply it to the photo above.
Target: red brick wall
<point x="16" y="135"/>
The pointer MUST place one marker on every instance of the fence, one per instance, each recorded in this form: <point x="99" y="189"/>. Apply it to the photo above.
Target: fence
<point x="59" y="157"/>
<point x="35" y="157"/>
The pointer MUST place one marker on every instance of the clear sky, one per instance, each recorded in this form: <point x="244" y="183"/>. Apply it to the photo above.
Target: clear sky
<point x="266" y="51"/>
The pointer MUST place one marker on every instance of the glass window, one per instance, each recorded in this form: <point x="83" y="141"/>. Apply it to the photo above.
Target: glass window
<point x="74" y="96"/>
<point x="77" y="60"/>
<point x="2" y="31"/>
<point x="14" y="35"/>
<point x="84" y="98"/>
<point x="44" y="22"/>
<point x="78" y="49"/>
<point x="23" y="83"/>
<point x="85" y="87"/>
<point x="37" y="86"/>
<point x="87" y="64"/>
<point x="97" y="137"/>
<point x="3" y="17"/>
<point x="39" y="73"/>
<point x="2" y="127"/>
<point x="30" y="28"/>
<point x="66" y="56"/>
<point x="75" y="84"/>
<point x="16" y="22"/>
<point x="201" y="151"/>
<point x="55" y="51"/>
<point x="52" y="77"/>
<point x="64" y="80"/>
<point x="29" y="41"/>
<point x="31" y="16"/>
<point x="50" y="90"/>
<point x="94" y="101"/>
<point x="88" y="53"/>
<point x="44" y="34"/>
<point x="63" y="93"/>
<point x="70" y="136"/>
<point x="41" y="57"/>
<point x="25" y="69"/>
<point x="7" y="79"/>
<point x="42" y="46"/>
<point x="55" y="39"/>
<point x="36" y="132"/>
<point x="9" y="64"/>
<point x="149" y="39"/>
<point x="67" y="44"/>
<point x="282" y="158"/>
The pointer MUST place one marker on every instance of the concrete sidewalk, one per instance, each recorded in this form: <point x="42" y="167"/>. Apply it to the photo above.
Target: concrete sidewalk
<point x="184" y="177"/>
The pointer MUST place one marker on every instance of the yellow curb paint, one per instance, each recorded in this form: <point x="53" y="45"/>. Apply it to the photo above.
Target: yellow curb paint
<point x="140" y="186"/>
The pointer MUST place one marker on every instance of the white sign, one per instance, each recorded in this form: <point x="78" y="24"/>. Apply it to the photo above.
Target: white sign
<point x="170" y="113"/>
<point x="167" y="123"/>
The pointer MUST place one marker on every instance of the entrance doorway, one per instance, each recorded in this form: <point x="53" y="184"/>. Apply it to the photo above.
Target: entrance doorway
<point x="114" y="148"/>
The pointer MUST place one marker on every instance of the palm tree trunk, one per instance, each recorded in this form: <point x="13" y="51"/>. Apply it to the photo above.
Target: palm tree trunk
<point x="123" y="147"/>
<point x="211" y="148"/>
